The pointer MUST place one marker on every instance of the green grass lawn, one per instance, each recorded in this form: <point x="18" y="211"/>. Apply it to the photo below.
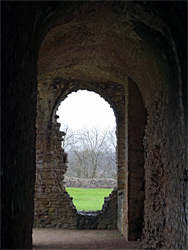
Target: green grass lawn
<point x="86" y="199"/>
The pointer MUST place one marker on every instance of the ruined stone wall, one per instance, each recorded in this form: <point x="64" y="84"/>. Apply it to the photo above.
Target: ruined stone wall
<point x="89" y="183"/>
<point x="143" y="40"/>
<point x="165" y="167"/>
<point x="52" y="203"/>
<point x="103" y="219"/>
<point x="136" y="175"/>
<point x="122" y="155"/>
<point x="53" y="206"/>
<point x="108" y="216"/>
<point x="166" y="160"/>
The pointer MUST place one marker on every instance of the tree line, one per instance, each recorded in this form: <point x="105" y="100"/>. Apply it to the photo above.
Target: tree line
<point x="91" y="152"/>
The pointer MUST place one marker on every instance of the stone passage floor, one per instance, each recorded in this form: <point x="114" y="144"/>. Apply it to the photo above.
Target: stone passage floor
<point x="81" y="239"/>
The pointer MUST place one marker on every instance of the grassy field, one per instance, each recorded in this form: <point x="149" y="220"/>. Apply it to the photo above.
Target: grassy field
<point x="88" y="199"/>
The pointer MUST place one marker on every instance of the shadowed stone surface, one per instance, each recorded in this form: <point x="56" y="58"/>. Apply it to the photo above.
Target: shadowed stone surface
<point x="112" y="48"/>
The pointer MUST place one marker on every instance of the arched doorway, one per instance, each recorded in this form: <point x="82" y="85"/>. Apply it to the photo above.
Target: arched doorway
<point x="51" y="196"/>
<point x="90" y="141"/>
<point x="56" y="81"/>
<point x="149" y="41"/>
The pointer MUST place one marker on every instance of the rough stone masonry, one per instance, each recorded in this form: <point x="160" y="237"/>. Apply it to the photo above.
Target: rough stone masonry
<point x="89" y="183"/>
<point x="132" y="53"/>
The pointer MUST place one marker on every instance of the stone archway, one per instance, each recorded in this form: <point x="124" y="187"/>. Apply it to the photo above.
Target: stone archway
<point x="105" y="42"/>
<point x="127" y="105"/>
<point x="53" y="206"/>
<point x="73" y="56"/>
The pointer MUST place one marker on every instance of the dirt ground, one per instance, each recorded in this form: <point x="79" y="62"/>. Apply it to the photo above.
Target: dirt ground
<point x="81" y="239"/>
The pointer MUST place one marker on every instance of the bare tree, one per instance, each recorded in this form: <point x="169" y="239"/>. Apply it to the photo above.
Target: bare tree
<point x="91" y="153"/>
<point x="110" y="153"/>
<point x="69" y="139"/>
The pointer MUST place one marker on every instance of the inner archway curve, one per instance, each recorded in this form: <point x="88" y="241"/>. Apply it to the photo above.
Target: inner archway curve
<point x="106" y="63"/>
<point x="106" y="92"/>
<point x="85" y="109"/>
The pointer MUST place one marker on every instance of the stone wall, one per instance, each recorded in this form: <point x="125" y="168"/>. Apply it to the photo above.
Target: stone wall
<point x="144" y="41"/>
<point x="165" y="178"/>
<point x="50" y="156"/>
<point x="136" y="178"/>
<point x="18" y="117"/>
<point x="53" y="205"/>
<point x="149" y="58"/>
<point x="108" y="216"/>
<point x="89" y="183"/>
<point x="104" y="219"/>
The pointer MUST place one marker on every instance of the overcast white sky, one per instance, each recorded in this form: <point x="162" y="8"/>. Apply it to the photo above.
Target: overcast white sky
<point x="85" y="109"/>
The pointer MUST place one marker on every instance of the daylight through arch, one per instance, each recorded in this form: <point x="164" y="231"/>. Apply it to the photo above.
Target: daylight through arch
<point x="90" y="141"/>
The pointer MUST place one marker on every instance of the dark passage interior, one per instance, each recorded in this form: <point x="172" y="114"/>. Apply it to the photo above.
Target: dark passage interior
<point x="133" y="54"/>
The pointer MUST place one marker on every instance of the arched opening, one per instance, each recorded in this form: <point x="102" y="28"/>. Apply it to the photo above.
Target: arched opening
<point x="81" y="60"/>
<point x="102" y="42"/>
<point x="56" y="81"/>
<point x="52" y="165"/>
<point x="90" y="141"/>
